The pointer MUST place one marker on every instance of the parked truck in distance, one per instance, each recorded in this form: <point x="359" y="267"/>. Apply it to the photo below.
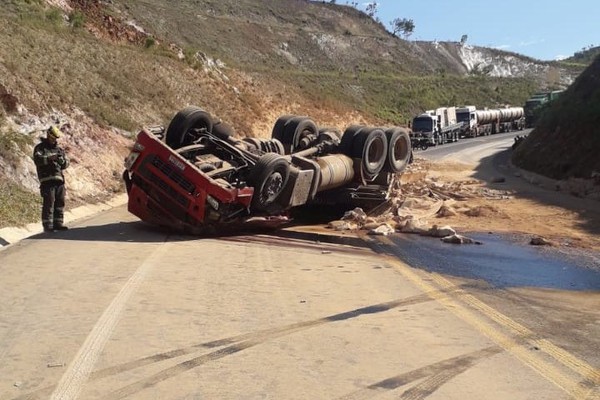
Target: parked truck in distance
<point x="487" y="122"/>
<point x="535" y="104"/>
<point x="196" y="176"/>
<point x="437" y="126"/>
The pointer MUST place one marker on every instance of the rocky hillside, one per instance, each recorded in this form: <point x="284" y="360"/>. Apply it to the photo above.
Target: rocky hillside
<point x="105" y="68"/>
<point x="566" y="142"/>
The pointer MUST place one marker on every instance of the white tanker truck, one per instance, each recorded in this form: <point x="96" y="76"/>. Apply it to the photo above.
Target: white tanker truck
<point x="488" y="122"/>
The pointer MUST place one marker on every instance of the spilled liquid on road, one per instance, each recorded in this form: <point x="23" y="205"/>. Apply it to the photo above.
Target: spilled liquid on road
<point x="502" y="262"/>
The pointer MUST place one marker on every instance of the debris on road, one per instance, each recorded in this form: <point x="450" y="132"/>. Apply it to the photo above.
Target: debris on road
<point x="540" y="241"/>
<point x="459" y="239"/>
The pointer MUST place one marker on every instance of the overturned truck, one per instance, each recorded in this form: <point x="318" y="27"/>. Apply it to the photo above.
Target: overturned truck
<point x="196" y="175"/>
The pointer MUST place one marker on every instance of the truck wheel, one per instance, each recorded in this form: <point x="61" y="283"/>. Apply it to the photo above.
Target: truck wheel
<point x="348" y="139"/>
<point x="222" y="130"/>
<point x="268" y="177"/>
<point x="370" y="145"/>
<point x="180" y="131"/>
<point x="298" y="134"/>
<point x="399" y="149"/>
<point x="286" y="136"/>
<point x="277" y="132"/>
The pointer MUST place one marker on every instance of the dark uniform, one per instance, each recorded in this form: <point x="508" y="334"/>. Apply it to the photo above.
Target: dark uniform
<point x="50" y="161"/>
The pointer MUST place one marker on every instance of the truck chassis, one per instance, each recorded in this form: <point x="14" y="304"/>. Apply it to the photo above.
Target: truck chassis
<point x="196" y="176"/>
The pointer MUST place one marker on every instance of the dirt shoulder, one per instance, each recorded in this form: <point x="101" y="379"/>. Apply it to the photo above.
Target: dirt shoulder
<point x="503" y="199"/>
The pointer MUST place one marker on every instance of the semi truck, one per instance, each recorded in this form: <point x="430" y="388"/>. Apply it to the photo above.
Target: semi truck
<point x="535" y="104"/>
<point x="197" y="176"/>
<point x="437" y="126"/>
<point x="487" y="122"/>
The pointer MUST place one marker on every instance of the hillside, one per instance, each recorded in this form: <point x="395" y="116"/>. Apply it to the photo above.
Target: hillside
<point x="585" y="56"/>
<point x="107" y="68"/>
<point x="566" y="141"/>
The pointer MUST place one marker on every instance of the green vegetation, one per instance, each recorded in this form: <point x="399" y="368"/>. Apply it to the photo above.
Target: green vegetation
<point x="77" y="19"/>
<point x="584" y="57"/>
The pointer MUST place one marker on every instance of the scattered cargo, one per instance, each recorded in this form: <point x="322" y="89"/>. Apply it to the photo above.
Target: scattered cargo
<point x="197" y="176"/>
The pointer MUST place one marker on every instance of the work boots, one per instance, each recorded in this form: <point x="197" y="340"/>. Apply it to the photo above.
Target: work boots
<point x="56" y="227"/>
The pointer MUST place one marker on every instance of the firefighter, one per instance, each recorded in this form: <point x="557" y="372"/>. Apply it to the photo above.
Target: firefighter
<point x="50" y="161"/>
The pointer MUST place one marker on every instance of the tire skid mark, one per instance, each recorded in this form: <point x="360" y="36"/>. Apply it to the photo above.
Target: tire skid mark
<point x="249" y="340"/>
<point x="255" y="338"/>
<point x="462" y="303"/>
<point x="432" y="384"/>
<point x="308" y="242"/>
<point x="80" y="368"/>
<point x="234" y="344"/>
<point x="437" y="374"/>
<point x="261" y="336"/>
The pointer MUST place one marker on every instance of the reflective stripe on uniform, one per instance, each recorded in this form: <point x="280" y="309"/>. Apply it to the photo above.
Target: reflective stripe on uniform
<point x="52" y="178"/>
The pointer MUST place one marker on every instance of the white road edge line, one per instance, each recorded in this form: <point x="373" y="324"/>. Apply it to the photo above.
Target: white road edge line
<point x="79" y="370"/>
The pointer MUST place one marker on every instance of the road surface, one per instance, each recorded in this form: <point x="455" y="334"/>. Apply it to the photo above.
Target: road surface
<point x="113" y="309"/>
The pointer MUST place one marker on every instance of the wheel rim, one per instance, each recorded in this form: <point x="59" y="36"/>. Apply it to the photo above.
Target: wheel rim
<point x="271" y="188"/>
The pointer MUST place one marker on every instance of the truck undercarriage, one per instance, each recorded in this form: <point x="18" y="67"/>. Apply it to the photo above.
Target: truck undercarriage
<point x="197" y="176"/>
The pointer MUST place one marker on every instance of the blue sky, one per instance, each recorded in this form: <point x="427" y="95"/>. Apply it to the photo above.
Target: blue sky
<point x="542" y="29"/>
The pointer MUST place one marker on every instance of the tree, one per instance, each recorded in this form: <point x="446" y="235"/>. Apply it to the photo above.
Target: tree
<point x="463" y="39"/>
<point x="405" y="26"/>
<point x="371" y="9"/>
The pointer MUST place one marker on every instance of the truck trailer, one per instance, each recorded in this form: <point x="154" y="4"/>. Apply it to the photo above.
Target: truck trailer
<point x="196" y="176"/>
<point x="488" y="122"/>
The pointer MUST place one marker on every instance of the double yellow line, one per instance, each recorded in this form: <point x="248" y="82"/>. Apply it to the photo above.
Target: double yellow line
<point x="579" y="379"/>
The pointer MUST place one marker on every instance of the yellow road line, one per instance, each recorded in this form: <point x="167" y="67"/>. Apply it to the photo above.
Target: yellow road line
<point x="564" y="357"/>
<point x="545" y="368"/>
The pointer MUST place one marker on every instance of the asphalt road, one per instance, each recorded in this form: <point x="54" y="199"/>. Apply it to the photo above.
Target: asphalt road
<point x="472" y="150"/>
<point x="113" y="309"/>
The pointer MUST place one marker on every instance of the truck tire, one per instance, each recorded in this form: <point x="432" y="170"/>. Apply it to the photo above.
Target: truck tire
<point x="179" y="132"/>
<point x="298" y="134"/>
<point x="289" y="137"/>
<point x="222" y="130"/>
<point x="399" y="150"/>
<point x="269" y="177"/>
<point x="371" y="147"/>
<point x="348" y="139"/>
<point x="277" y="132"/>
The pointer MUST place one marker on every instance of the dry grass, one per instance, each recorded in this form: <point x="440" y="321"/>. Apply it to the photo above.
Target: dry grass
<point x="17" y="205"/>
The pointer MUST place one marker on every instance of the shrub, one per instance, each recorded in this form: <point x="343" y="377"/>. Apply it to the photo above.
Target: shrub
<point x="77" y="19"/>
